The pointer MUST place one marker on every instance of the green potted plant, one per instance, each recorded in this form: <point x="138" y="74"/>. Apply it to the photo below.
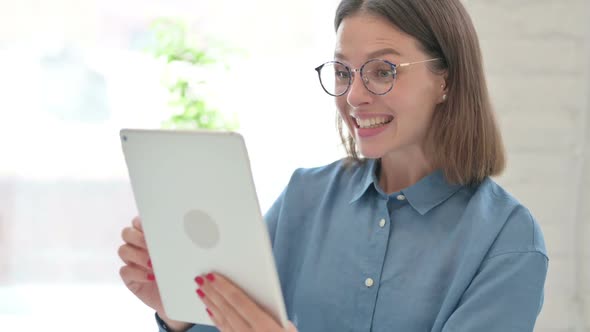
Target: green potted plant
<point x="174" y="45"/>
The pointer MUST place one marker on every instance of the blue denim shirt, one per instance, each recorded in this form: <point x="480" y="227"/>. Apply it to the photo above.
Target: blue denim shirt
<point x="432" y="257"/>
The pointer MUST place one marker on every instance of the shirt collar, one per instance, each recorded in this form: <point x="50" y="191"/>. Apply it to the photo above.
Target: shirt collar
<point x="423" y="196"/>
<point x="430" y="191"/>
<point x="368" y="177"/>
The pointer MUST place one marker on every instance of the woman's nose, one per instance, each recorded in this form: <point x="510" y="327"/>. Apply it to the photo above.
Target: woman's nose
<point x="357" y="93"/>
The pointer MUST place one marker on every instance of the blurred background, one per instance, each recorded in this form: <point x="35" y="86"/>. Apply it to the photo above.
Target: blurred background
<point x="73" y="73"/>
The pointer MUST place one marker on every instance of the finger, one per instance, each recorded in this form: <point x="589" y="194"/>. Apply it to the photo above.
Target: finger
<point x="134" y="237"/>
<point x="137" y="224"/>
<point x="224" y="311"/>
<point x="224" y="317"/>
<point x="133" y="255"/>
<point x="216" y="318"/>
<point x="255" y="316"/>
<point x="130" y="273"/>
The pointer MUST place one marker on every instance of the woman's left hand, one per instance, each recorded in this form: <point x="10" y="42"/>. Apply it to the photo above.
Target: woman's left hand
<point x="232" y="310"/>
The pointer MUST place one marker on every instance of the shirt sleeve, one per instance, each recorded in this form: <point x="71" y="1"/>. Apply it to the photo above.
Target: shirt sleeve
<point x="505" y="295"/>
<point x="281" y="204"/>
<point x="272" y="217"/>
<point x="162" y="327"/>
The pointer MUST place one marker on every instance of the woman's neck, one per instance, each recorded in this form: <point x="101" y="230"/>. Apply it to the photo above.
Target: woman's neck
<point x="403" y="169"/>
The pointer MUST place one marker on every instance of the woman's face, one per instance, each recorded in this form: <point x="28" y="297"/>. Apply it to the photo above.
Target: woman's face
<point x="407" y="109"/>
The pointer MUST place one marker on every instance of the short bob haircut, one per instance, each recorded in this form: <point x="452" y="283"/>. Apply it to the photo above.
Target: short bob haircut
<point x="464" y="140"/>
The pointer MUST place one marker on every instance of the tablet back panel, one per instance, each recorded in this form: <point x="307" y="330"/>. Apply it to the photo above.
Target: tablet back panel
<point x="196" y="197"/>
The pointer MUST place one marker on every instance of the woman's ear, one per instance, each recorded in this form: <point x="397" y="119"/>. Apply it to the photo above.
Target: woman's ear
<point x="444" y="90"/>
<point x="444" y="81"/>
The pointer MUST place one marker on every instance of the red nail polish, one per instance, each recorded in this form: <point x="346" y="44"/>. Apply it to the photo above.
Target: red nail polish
<point x="149" y="263"/>
<point x="200" y="281"/>
<point x="151" y="277"/>
<point x="201" y="294"/>
<point x="210" y="277"/>
<point x="209" y="312"/>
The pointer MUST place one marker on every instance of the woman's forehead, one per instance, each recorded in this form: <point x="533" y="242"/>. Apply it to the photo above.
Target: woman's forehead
<point x="364" y="35"/>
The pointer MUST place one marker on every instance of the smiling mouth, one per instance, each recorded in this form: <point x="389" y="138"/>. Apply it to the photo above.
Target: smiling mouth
<point x="373" y="122"/>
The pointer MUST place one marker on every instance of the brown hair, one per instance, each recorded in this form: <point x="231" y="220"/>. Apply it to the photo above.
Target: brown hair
<point x="464" y="139"/>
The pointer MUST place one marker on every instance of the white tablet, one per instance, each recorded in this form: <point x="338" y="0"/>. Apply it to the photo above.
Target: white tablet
<point x="196" y="197"/>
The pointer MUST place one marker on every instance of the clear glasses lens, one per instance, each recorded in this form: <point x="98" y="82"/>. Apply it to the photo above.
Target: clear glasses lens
<point x="378" y="77"/>
<point x="335" y="78"/>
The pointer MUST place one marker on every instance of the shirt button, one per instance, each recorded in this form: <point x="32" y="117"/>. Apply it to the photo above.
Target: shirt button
<point x="382" y="223"/>
<point x="401" y="197"/>
<point x="369" y="282"/>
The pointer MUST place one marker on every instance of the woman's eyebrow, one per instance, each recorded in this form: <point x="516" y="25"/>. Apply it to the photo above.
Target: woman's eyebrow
<point x="374" y="54"/>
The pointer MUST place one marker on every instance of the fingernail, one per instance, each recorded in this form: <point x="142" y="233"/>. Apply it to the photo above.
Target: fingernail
<point x="149" y="263"/>
<point x="151" y="277"/>
<point x="200" y="281"/>
<point x="201" y="294"/>
<point x="209" y="312"/>
<point x="210" y="277"/>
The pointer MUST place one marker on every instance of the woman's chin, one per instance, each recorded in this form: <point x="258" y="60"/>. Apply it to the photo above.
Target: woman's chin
<point x="371" y="152"/>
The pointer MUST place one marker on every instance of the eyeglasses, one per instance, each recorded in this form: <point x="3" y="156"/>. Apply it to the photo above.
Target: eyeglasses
<point x="377" y="75"/>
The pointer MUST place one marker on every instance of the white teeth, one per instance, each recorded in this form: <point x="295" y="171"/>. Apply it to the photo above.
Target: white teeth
<point x="372" y="122"/>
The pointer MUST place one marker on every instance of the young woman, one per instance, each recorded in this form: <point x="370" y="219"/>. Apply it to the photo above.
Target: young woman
<point x="408" y="233"/>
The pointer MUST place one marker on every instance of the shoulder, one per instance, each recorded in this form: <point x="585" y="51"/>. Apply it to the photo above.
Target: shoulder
<point x="324" y="186"/>
<point x="517" y="229"/>
<point x="313" y="188"/>
<point x="318" y="178"/>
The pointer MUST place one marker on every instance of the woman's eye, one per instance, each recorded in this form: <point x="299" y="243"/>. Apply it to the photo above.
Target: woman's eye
<point x="384" y="73"/>
<point x="341" y="74"/>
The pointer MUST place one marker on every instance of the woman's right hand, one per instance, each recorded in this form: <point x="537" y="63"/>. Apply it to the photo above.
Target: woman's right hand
<point x="137" y="273"/>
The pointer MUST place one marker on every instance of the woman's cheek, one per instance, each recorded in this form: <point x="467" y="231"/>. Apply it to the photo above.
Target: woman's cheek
<point x="343" y="109"/>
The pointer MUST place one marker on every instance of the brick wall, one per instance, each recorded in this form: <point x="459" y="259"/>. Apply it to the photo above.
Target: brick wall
<point x="537" y="60"/>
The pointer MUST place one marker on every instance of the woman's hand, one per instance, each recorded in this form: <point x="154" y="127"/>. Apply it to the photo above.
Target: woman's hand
<point x="232" y="310"/>
<point x="137" y="273"/>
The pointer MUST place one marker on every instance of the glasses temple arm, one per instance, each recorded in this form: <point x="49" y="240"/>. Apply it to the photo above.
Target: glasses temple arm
<point x="413" y="63"/>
